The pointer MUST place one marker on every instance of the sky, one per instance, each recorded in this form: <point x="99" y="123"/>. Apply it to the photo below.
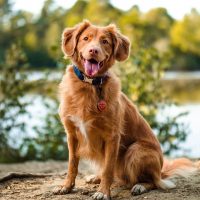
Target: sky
<point x="176" y="8"/>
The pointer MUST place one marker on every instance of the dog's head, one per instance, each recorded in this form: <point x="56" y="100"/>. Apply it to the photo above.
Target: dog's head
<point x="94" y="49"/>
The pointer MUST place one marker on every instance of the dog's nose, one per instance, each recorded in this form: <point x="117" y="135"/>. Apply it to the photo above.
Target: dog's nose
<point x="93" y="51"/>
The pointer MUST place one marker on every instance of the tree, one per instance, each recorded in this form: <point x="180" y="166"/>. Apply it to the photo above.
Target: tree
<point x="185" y="34"/>
<point x="156" y="25"/>
<point x="130" y="23"/>
<point x="97" y="10"/>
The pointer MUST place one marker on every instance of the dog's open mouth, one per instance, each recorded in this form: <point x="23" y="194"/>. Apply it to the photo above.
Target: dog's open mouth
<point x="92" y="66"/>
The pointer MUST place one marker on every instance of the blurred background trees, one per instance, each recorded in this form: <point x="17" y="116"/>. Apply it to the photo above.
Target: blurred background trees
<point x="158" y="42"/>
<point x="156" y="28"/>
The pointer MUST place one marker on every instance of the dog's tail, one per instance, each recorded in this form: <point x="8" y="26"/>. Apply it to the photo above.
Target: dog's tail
<point x="181" y="167"/>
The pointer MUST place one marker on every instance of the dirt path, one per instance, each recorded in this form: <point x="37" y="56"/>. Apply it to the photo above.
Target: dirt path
<point x="41" y="188"/>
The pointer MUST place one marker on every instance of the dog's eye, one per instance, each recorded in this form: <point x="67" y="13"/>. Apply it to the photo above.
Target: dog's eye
<point x="105" y="41"/>
<point x="85" y="38"/>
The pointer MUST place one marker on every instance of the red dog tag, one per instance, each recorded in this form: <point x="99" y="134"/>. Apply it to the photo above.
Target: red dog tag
<point x="101" y="105"/>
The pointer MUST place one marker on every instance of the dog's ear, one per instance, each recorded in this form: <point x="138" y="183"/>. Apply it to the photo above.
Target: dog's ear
<point x="70" y="37"/>
<point x="122" y="48"/>
<point x="121" y="43"/>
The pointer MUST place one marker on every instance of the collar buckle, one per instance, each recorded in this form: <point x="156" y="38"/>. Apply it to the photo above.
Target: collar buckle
<point x="88" y="80"/>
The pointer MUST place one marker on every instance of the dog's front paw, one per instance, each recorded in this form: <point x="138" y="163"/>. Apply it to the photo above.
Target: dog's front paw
<point x="138" y="189"/>
<point x="62" y="190"/>
<point x="101" y="196"/>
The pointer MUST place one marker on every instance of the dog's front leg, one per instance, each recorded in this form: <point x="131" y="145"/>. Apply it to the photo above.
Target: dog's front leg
<point x="69" y="182"/>
<point x="111" y="151"/>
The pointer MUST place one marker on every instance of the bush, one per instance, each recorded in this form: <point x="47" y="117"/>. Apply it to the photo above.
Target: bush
<point x="12" y="89"/>
<point x="15" y="145"/>
<point x="50" y="139"/>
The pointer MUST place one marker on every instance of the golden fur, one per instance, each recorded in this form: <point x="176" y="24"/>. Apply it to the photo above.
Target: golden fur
<point x="118" y="139"/>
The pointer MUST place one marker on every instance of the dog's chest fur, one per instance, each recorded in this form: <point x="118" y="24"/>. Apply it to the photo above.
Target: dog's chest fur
<point x="79" y="124"/>
<point x="79" y="104"/>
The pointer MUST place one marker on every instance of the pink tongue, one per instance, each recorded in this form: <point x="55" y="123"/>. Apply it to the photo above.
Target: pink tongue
<point x="91" y="68"/>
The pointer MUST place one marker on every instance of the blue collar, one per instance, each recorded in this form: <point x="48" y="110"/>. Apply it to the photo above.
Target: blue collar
<point x="94" y="81"/>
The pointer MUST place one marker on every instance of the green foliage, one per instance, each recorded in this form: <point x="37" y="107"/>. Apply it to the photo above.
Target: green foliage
<point x="12" y="89"/>
<point x="170" y="132"/>
<point x="50" y="139"/>
<point x="185" y="33"/>
<point x="185" y="41"/>
<point x="156" y="28"/>
<point x="15" y="146"/>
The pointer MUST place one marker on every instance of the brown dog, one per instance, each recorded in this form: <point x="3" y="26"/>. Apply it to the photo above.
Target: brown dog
<point x="101" y="123"/>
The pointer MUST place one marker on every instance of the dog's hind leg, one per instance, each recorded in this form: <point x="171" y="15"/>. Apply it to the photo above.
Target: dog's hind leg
<point x="142" y="168"/>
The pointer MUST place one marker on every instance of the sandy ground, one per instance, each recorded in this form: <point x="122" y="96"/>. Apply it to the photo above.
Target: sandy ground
<point x="41" y="188"/>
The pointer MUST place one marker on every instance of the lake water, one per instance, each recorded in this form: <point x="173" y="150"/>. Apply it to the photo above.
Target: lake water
<point x="172" y="75"/>
<point x="191" y="147"/>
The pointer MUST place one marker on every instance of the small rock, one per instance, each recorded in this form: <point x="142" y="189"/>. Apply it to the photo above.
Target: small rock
<point x="75" y="189"/>
<point x="86" y="192"/>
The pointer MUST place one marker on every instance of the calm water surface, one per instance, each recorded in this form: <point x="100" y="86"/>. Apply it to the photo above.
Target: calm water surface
<point x="191" y="147"/>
